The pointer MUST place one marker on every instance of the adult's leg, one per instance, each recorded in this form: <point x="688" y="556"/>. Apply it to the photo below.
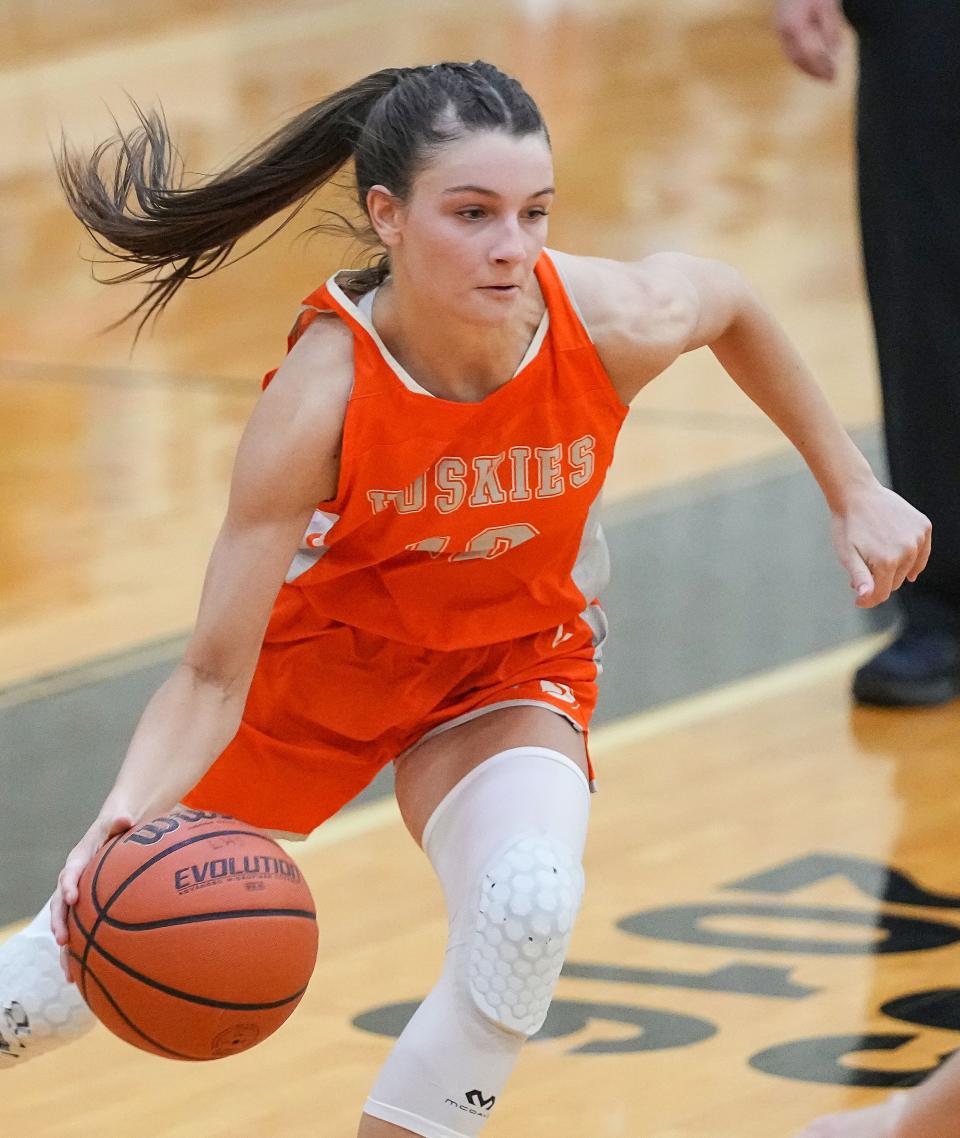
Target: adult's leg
<point x="908" y="146"/>
<point x="909" y="171"/>
<point x="500" y="806"/>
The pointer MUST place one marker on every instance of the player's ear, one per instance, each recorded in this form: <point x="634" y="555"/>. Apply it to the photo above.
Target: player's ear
<point x="386" y="212"/>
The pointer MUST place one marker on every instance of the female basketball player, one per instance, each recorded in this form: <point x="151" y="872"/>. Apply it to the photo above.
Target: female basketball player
<point x="410" y="559"/>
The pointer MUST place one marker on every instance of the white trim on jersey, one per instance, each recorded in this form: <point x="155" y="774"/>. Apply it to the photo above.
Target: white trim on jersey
<point x="591" y="570"/>
<point x="569" y="291"/>
<point x="469" y="716"/>
<point x="312" y="546"/>
<point x="363" y="310"/>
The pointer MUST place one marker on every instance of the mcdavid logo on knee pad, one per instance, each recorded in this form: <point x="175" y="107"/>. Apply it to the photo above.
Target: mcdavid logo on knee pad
<point x="14" y="1028"/>
<point x="476" y="1099"/>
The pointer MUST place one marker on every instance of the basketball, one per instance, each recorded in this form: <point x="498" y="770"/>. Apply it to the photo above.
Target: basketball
<point x="193" y="937"/>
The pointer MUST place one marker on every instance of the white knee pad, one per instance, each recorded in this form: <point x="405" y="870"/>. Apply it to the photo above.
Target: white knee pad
<point x="39" y="1009"/>
<point x="506" y="844"/>
<point x="528" y="901"/>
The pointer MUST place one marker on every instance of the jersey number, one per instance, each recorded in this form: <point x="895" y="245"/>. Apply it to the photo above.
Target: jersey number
<point x="488" y="543"/>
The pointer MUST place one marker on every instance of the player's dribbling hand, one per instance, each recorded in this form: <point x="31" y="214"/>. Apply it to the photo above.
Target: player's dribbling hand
<point x="881" y="541"/>
<point x="77" y="861"/>
<point x="810" y="31"/>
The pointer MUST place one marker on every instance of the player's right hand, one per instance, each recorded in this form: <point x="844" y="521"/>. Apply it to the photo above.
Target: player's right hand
<point x="79" y="857"/>
<point x="811" y="34"/>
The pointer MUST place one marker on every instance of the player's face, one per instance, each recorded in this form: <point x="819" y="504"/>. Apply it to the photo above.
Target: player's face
<point x="475" y="223"/>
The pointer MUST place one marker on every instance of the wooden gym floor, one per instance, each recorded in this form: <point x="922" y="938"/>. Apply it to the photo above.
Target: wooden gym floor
<point x="769" y="928"/>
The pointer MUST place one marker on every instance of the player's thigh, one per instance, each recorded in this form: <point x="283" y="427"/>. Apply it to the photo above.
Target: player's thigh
<point x="426" y="774"/>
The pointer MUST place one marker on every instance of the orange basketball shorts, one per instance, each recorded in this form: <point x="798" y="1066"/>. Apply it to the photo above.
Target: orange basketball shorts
<point x="327" y="710"/>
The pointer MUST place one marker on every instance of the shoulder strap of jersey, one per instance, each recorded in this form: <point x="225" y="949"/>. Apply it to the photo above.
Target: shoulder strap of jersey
<point x="566" y="322"/>
<point x="311" y="306"/>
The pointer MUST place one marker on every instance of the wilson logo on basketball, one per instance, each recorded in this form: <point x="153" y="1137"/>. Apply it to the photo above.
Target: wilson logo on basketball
<point x="231" y="869"/>
<point x="149" y="833"/>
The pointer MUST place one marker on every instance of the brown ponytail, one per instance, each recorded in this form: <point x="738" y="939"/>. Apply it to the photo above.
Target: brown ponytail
<point x="389" y="122"/>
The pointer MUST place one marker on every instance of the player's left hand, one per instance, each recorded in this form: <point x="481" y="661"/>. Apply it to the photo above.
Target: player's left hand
<point x="881" y="541"/>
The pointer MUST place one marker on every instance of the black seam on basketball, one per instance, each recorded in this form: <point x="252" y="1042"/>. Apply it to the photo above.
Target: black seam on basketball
<point x="88" y="945"/>
<point x="93" y="896"/>
<point x="194" y="918"/>
<point x="81" y="960"/>
<point x="129" y="1022"/>
<point x="189" y="997"/>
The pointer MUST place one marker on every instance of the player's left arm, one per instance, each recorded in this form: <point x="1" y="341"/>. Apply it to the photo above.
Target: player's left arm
<point x="880" y="539"/>
<point x="672" y="303"/>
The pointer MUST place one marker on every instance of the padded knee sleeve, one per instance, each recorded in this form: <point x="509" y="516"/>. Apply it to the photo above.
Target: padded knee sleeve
<point x="528" y="902"/>
<point x="506" y="844"/>
<point x="39" y="1009"/>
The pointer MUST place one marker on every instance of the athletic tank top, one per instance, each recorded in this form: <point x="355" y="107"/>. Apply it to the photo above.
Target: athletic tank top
<point x="457" y="525"/>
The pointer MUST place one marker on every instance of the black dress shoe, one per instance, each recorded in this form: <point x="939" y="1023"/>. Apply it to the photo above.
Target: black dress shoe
<point x="921" y="668"/>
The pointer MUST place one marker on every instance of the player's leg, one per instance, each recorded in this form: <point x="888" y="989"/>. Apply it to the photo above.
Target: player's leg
<point x="377" y="1128"/>
<point x="39" y="1009"/>
<point x="877" y="1121"/>
<point x="500" y="805"/>
<point x="931" y="1110"/>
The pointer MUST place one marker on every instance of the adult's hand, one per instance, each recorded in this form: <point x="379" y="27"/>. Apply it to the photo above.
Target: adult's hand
<point x="811" y="32"/>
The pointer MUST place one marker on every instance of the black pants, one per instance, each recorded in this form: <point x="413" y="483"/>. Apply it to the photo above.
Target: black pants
<point x="908" y="148"/>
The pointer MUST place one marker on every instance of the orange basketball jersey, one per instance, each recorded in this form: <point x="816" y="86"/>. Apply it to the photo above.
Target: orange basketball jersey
<point x="457" y="525"/>
<point x="445" y="580"/>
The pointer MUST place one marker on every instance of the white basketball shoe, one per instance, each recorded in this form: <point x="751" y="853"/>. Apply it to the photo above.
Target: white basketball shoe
<point x="39" y="1009"/>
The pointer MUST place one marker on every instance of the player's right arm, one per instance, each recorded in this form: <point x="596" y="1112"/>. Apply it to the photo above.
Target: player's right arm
<point x="288" y="461"/>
